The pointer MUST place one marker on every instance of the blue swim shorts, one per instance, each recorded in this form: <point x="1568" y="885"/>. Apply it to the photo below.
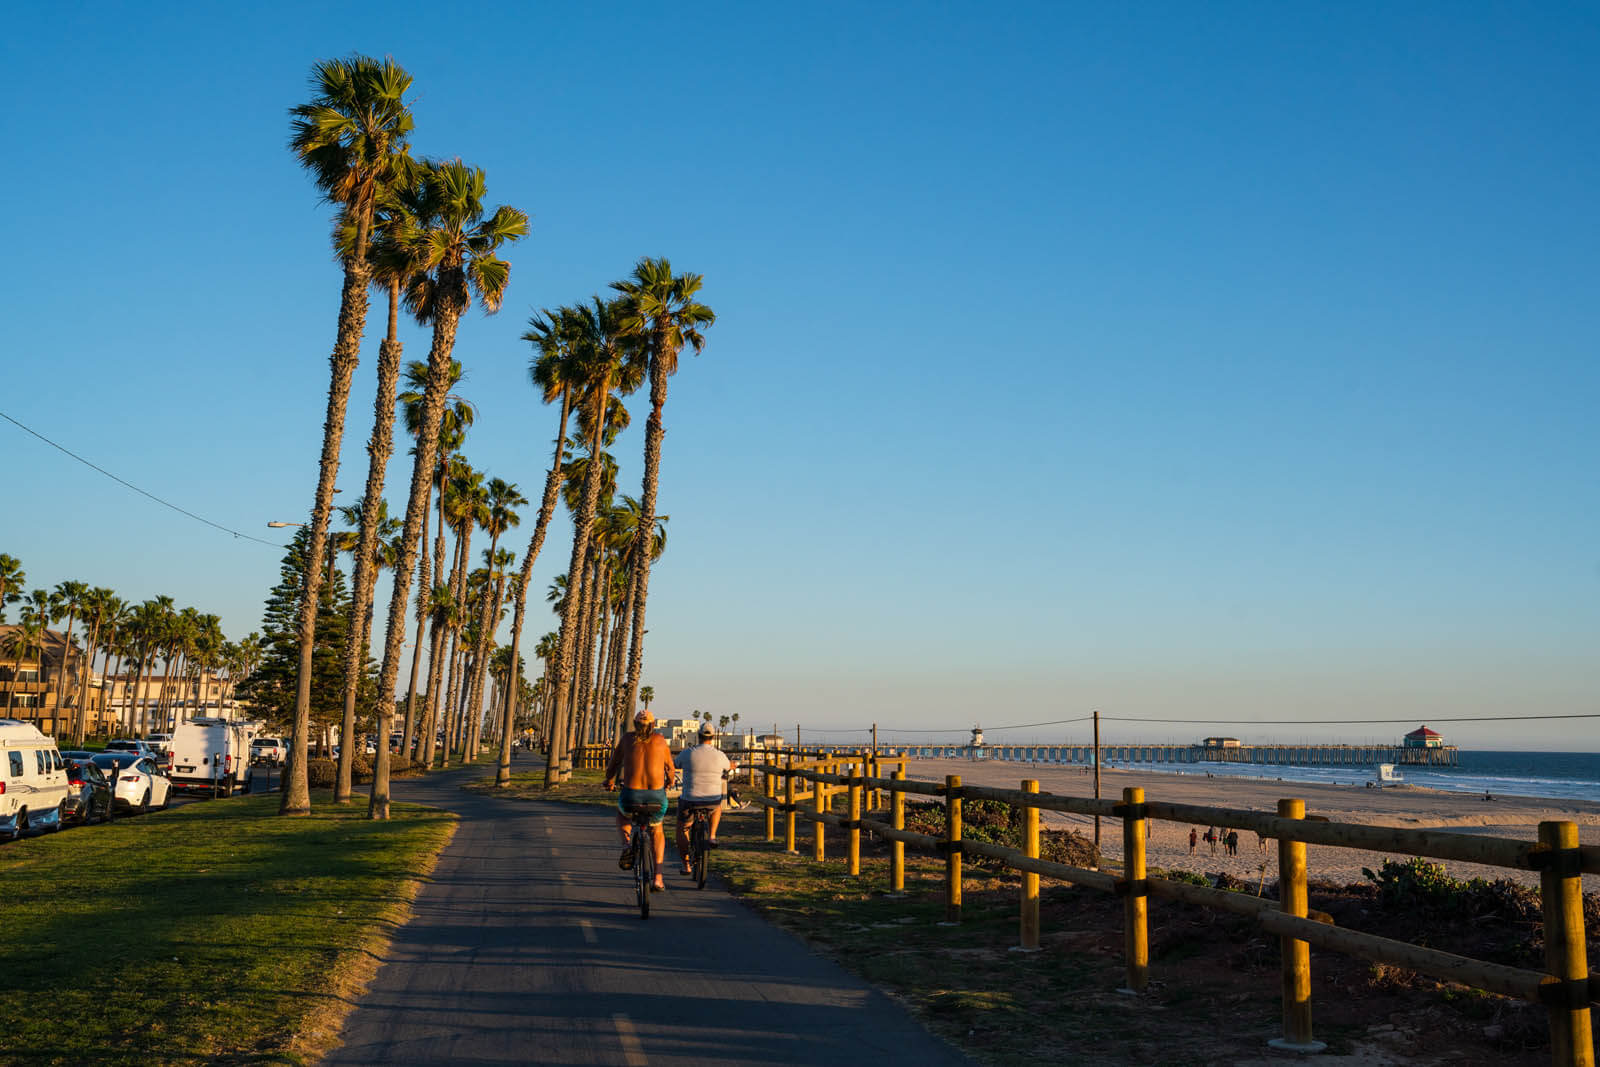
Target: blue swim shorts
<point x="630" y="798"/>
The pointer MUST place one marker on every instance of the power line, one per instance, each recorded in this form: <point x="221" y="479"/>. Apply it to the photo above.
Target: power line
<point x="135" y="488"/>
<point x="1350" y="722"/>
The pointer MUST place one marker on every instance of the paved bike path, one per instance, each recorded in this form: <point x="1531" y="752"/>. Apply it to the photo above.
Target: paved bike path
<point x="526" y="946"/>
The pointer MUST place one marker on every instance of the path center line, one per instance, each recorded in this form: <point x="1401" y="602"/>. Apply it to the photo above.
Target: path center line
<point x="632" y="1050"/>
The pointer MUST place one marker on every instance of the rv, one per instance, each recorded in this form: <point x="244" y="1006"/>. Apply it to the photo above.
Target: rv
<point x="211" y="754"/>
<point x="33" y="780"/>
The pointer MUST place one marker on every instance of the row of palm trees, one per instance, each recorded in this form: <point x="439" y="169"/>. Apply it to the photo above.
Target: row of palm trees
<point x="418" y="231"/>
<point x="189" y="645"/>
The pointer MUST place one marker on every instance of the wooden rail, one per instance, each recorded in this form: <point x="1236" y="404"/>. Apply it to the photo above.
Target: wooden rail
<point x="1565" y="986"/>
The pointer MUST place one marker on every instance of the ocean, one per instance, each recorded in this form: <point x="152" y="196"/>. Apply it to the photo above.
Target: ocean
<point x="1562" y="775"/>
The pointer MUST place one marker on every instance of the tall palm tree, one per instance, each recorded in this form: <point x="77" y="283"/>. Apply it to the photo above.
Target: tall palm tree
<point x="647" y="694"/>
<point x="594" y="337"/>
<point x="552" y="371"/>
<point x="118" y="613"/>
<point x="67" y="599"/>
<point x="457" y="416"/>
<point x="12" y="579"/>
<point x="394" y="259"/>
<point x="663" y="315"/>
<point x="101" y="606"/>
<point x="502" y="501"/>
<point x="457" y="258"/>
<point x="376" y="525"/>
<point x="466" y="511"/>
<point x="351" y="137"/>
<point x="27" y="638"/>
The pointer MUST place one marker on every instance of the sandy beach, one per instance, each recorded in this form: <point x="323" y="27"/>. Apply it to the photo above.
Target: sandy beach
<point x="1517" y="818"/>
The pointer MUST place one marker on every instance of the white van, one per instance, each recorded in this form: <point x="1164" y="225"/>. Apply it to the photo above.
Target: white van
<point x="206" y="753"/>
<point x="33" y="780"/>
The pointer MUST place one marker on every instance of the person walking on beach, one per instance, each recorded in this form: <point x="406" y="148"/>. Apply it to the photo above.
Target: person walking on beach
<point x="1211" y="838"/>
<point x="642" y="765"/>
<point x="1233" y="842"/>
<point x="1194" y="839"/>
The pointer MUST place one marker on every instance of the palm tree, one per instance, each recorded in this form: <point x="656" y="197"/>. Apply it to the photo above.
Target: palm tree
<point x="377" y="527"/>
<point x="593" y="336"/>
<point x="647" y="694"/>
<point x="67" y="599"/>
<point x="552" y="372"/>
<point x="503" y="500"/>
<point x="27" y="638"/>
<point x="663" y="315"/>
<point x="351" y="136"/>
<point x="101" y="608"/>
<point x="458" y="414"/>
<point x="12" y="579"/>
<point x="457" y="257"/>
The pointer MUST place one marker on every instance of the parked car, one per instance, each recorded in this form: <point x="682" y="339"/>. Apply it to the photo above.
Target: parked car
<point x="270" y="751"/>
<point x="143" y="748"/>
<point x="162" y="743"/>
<point x="141" y="782"/>
<point x="33" y="780"/>
<point x="90" y="798"/>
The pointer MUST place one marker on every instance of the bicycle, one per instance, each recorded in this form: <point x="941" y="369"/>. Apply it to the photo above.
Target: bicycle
<point x="644" y="854"/>
<point x="699" y="844"/>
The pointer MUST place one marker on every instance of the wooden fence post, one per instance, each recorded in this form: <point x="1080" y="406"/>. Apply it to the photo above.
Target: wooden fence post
<point x="897" y="849"/>
<point x="819" y="847"/>
<point x="1030" y="881"/>
<point x="952" y="853"/>
<point x="1561" y="894"/>
<point x="769" y="789"/>
<point x="1296" y="954"/>
<point x="788" y="810"/>
<point x="1135" y="905"/>
<point x="855" y="820"/>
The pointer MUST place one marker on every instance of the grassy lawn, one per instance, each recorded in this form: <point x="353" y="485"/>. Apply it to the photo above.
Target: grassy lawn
<point x="527" y="783"/>
<point x="212" y="933"/>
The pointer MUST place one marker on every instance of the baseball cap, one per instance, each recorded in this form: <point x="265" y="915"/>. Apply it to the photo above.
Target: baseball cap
<point x="643" y="715"/>
<point x="705" y="729"/>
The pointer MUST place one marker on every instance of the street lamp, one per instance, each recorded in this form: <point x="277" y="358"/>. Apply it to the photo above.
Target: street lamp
<point x="281" y="525"/>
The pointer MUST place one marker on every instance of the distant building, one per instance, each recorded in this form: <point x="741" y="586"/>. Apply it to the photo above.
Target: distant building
<point x="28" y="685"/>
<point x="1220" y="742"/>
<point x="1422" y="737"/>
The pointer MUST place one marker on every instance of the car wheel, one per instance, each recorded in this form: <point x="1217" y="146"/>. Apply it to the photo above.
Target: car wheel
<point x="166" y="798"/>
<point x="144" y="805"/>
<point x="63" y="820"/>
<point x="22" y="823"/>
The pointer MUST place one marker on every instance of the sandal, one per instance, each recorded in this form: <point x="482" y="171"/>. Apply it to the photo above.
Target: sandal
<point x="662" y="888"/>
<point x="687" y="870"/>
<point x="626" y="861"/>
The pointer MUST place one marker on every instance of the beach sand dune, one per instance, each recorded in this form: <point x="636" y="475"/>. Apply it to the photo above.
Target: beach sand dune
<point x="1410" y="807"/>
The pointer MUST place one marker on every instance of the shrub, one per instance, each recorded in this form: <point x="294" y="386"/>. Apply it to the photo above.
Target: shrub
<point x="322" y="773"/>
<point x="998" y="823"/>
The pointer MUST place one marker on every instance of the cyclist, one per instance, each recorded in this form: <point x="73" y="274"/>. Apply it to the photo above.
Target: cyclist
<point x="704" y="769"/>
<point x="642" y="765"/>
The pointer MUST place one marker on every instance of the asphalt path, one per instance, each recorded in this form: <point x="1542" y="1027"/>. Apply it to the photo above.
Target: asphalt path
<point x="526" y="946"/>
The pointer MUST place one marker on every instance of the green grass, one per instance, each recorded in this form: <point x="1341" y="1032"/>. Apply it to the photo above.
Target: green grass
<point x="584" y="787"/>
<point x="213" y="933"/>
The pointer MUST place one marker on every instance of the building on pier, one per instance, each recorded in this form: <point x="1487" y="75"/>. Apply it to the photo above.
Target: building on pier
<point x="1422" y="737"/>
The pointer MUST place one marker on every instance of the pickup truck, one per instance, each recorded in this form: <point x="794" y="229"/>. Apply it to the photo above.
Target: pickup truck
<point x="268" y="751"/>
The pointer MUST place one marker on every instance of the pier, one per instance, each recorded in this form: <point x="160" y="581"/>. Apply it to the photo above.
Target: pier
<point x="1270" y="755"/>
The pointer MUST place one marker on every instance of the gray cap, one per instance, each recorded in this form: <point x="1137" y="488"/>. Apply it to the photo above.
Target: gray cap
<point x="706" y="730"/>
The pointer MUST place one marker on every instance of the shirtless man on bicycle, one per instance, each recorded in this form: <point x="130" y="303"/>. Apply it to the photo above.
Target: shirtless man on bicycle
<point x="642" y="765"/>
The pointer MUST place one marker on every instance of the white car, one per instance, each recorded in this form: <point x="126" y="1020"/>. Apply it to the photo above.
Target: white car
<point x="141" y="784"/>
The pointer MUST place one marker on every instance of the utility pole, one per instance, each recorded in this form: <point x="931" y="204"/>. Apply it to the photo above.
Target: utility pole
<point x="1097" y="781"/>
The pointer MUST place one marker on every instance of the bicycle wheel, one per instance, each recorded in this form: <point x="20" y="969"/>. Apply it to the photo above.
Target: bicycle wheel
<point x="702" y="853"/>
<point x="644" y="868"/>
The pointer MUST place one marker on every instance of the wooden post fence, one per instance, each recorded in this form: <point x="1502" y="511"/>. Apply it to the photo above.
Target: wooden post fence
<point x="1564" y="986"/>
<point x="769" y="783"/>
<point x="819" y="845"/>
<point x="1296" y="954"/>
<point x="1135" y="906"/>
<point x="854" y="825"/>
<point x="1565" y="954"/>
<point x="952" y="848"/>
<point x="1030" y="880"/>
<point x="897" y="849"/>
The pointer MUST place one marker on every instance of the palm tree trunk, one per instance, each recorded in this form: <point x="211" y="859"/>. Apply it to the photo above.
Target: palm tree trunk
<point x="430" y="709"/>
<point x="645" y="534"/>
<point x="547" y="508"/>
<point x="80" y="721"/>
<point x="423" y="588"/>
<point x="342" y="364"/>
<point x="66" y="658"/>
<point x="445" y="322"/>
<point x="558" y="763"/>
<point x="379" y="446"/>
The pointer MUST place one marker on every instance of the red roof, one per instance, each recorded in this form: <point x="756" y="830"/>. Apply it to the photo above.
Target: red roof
<point x="1423" y="731"/>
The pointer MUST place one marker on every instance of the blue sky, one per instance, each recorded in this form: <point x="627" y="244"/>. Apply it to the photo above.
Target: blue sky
<point x="1200" y="362"/>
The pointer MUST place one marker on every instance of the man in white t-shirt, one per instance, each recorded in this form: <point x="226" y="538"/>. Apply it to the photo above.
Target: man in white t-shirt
<point x="705" y="773"/>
